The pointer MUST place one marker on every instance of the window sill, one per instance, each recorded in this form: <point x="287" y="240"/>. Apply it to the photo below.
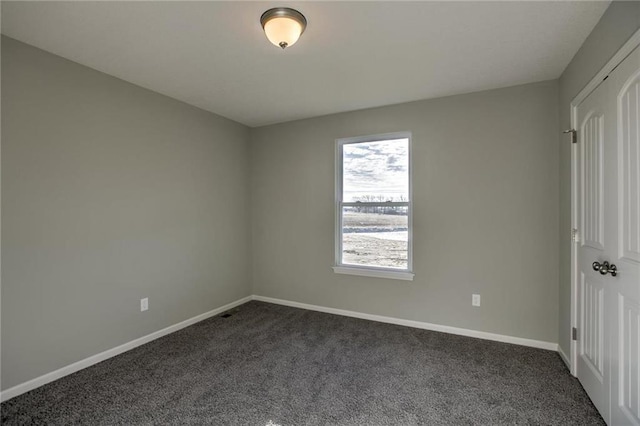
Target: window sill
<point x="375" y="273"/>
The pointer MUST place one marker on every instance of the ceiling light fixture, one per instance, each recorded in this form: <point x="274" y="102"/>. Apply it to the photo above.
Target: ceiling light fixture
<point x="283" y="26"/>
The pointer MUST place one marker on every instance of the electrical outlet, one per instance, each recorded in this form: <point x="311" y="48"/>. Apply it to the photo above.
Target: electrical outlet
<point x="144" y="304"/>
<point x="475" y="300"/>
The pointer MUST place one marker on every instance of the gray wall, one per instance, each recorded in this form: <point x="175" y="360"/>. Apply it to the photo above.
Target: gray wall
<point x="485" y="213"/>
<point x="110" y="193"/>
<point x="618" y="23"/>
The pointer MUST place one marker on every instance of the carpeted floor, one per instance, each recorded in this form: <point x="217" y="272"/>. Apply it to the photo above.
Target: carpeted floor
<point x="280" y="365"/>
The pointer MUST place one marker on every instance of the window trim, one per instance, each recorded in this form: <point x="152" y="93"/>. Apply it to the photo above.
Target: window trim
<point x="362" y="270"/>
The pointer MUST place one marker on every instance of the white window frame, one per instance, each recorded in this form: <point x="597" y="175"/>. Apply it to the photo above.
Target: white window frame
<point x="363" y="270"/>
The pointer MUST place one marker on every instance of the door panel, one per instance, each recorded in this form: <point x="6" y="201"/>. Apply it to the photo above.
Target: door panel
<point x="629" y="379"/>
<point x="625" y="350"/>
<point x="592" y="207"/>
<point x="592" y="342"/>
<point x="629" y="111"/>
<point x="593" y="310"/>
<point x="609" y="222"/>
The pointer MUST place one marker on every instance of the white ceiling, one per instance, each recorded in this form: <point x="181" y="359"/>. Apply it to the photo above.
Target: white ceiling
<point x="353" y="55"/>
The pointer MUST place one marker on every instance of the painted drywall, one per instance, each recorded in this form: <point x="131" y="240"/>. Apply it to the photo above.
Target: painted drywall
<point x="485" y="190"/>
<point x="620" y="21"/>
<point x="110" y="193"/>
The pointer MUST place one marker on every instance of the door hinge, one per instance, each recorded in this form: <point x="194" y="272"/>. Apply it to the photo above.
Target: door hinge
<point x="574" y="135"/>
<point x="574" y="333"/>
<point x="575" y="236"/>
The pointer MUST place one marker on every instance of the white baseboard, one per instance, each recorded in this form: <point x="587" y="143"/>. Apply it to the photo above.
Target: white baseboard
<point x="87" y="362"/>
<point x="564" y="357"/>
<point x="416" y="324"/>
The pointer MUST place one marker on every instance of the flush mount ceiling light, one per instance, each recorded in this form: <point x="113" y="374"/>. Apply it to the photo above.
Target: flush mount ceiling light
<point x="283" y="26"/>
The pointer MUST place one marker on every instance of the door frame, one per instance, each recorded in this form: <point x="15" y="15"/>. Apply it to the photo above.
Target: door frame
<point x="625" y="50"/>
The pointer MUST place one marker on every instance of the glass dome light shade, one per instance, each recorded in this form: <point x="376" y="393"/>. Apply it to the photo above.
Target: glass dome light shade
<point x="283" y="26"/>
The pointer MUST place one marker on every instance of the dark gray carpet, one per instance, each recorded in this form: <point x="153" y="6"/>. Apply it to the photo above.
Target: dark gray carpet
<point x="269" y="363"/>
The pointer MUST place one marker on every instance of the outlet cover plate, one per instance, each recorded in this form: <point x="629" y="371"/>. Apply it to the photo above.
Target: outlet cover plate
<point x="475" y="300"/>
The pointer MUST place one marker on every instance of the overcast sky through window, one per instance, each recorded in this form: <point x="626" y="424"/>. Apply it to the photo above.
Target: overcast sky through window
<point x="376" y="169"/>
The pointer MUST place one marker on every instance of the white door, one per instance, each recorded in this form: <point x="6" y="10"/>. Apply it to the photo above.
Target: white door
<point x="609" y="249"/>
<point x="592" y="368"/>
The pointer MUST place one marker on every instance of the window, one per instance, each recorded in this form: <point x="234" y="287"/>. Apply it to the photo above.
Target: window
<point x="373" y="206"/>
